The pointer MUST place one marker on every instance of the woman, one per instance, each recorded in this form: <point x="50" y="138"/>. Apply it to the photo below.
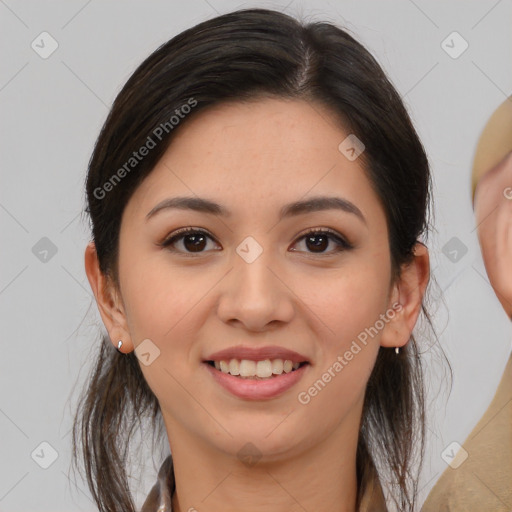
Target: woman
<point x="256" y="197"/>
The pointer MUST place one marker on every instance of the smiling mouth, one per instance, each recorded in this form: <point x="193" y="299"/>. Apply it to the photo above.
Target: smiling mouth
<point x="256" y="370"/>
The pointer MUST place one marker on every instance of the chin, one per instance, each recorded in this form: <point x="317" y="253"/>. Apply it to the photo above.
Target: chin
<point x="272" y="439"/>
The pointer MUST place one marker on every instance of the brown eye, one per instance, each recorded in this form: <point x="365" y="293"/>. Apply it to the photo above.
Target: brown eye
<point x="194" y="242"/>
<point x="191" y="240"/>
<point x="317" y="241"/>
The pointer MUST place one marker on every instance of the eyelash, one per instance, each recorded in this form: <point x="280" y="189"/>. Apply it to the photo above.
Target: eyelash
<point x="341" y="243"/>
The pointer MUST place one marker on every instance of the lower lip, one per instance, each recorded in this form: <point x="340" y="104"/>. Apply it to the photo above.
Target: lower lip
<point x="254" y="389"/>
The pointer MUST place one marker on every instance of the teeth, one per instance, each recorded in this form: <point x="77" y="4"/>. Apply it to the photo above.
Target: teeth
<point x="262" y="369"/>
<point x="247" y="368"/>
<point x="287" y="366"/>
<point x="277" y="366"/>
<point x="234" y="367"/>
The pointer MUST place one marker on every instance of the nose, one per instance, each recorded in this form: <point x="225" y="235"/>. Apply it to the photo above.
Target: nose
<point x="256" y="295"/>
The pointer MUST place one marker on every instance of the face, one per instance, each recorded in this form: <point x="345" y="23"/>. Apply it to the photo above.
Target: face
<point x="252" y="276"/>
<point x="493" y="212"/>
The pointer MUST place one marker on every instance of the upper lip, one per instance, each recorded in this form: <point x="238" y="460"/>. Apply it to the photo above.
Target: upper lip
<point x="257" y="354"/>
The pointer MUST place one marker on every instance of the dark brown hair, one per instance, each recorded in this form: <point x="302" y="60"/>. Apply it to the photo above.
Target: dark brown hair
<point x="241" y="56"/>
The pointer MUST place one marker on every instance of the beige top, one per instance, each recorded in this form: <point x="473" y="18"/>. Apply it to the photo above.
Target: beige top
<point x="483" y="482"/>
<point x="159" y="498"/>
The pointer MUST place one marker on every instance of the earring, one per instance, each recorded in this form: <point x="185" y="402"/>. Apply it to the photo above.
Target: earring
<point x="397" y="350"/>
<point x="119" y="344"/>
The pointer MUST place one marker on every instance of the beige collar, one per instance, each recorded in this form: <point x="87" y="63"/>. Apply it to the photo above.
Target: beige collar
<point x="159" y="498"/>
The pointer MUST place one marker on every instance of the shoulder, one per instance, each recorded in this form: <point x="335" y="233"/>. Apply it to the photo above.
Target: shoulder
<point x="480" y="475"/>
<point x="159" y="498"/>
<point x="373" y="499"/>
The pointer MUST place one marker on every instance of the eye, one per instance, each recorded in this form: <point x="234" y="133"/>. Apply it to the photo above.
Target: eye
<point x="318" y="240"/>
<point x="192" y="240"/>
<point x="195" y="240"/>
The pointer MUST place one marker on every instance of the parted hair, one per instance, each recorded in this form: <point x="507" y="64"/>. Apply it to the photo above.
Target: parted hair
<point x="241" y="56"/>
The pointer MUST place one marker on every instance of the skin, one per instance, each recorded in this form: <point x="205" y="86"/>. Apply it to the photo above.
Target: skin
<point x="240" y="155"/>
<point x="492" y="181"/>
<point x="494" y="142"/>
<point x="493" y="213"/>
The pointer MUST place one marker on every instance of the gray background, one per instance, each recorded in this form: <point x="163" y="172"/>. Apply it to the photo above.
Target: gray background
<point x="52" y="110"/>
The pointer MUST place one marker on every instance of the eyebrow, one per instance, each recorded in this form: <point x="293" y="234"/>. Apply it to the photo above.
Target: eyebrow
<point x="310" y="205"/>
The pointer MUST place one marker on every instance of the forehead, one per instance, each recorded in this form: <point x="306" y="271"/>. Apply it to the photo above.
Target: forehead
<point x="268" y="151"/>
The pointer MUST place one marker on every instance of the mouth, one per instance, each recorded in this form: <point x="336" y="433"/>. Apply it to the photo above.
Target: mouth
<point x="256" y="370"/>
<point x="256" y="380"/>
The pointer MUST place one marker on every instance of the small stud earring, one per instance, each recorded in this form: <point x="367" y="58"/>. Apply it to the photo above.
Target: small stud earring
<point x="119" y="344"/>
<point x="397" y="350"/>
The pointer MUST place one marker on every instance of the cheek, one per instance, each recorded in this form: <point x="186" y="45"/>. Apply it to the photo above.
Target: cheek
<point x="348" y="309"/>
<point x="346" y="300"/>
<point x="157" y="299"/>
<point x="348" y="305"/>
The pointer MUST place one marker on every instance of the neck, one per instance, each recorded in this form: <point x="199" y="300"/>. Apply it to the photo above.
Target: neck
<point x="320" y="477"/>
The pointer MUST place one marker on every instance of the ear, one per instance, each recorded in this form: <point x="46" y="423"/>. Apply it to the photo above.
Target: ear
<point x="108" y="300"/>
<point x="406" y="298"/>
